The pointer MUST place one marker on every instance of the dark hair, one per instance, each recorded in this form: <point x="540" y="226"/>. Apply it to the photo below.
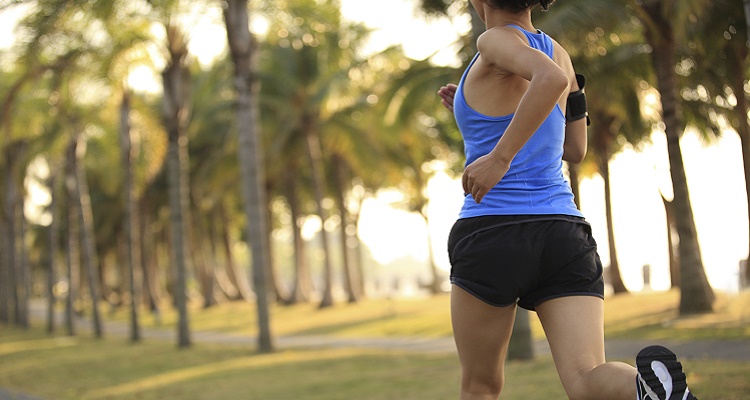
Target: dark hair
<point x="520" y="5"/>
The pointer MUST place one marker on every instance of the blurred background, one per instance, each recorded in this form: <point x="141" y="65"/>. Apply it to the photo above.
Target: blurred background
<point x="163" y="153"/>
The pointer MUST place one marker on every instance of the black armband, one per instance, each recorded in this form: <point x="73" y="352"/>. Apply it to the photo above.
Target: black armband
<point x="576" y="108"/>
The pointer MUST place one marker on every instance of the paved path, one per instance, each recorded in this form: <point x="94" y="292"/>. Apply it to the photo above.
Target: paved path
<point x="622" y="349"/>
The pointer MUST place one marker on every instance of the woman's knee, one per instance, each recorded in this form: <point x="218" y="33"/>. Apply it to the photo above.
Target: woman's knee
<point x="482" y="384"/>
<point x="612" y="380"/>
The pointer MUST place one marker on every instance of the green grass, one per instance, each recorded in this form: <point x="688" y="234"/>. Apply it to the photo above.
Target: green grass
<point x="651" y="315"/>
<point x="61" y="368"/>
<point x="656" y="316"/>
<point x="83" y="368"/>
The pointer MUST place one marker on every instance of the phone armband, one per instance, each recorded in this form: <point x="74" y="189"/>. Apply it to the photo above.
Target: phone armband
<point x="576" y="105"/>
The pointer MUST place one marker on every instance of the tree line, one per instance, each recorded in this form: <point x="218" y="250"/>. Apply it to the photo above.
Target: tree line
<point x="159" y="199"/>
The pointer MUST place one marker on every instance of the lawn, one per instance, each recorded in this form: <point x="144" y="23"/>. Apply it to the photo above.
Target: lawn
<point x="652" y="315"/>
<point x="82" y="368"/>
<point x="56" y="367"/>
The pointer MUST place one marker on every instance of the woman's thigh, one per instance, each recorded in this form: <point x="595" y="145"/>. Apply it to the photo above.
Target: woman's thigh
<point x="482" y="333"/>
<point x="574" y="326"/>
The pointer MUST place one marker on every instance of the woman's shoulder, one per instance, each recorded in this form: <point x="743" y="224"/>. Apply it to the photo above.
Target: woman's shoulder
<point x="498" y="41"/>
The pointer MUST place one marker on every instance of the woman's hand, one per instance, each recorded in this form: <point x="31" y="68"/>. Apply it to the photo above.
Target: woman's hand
<point x="448" y="93"/>
<point x="482" y="175"/>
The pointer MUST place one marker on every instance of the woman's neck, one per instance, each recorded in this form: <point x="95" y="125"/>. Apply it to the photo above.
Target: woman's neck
<point x="497" y="18"/>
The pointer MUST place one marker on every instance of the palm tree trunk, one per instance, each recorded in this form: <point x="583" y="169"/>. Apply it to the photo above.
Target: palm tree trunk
<point x="147" y="253"/>
<point x="436" y="281"/>
<point x="737" y="82"/>
<point x="24" y="271"/>
<point x="302" y="284"/>
<point x="602" y="138"/>
<point x="276" y="288"/>
<point x="176" y="81"/>
<point x="349" y="274"/>
<point x="315" y="155"/>
<point x="52" y="253"/>
<point x="74" y="242"/>
<point x="86" y="221"/>
<point x="618" y="286"/>
<point x="131" y="213"/>
<point x="575" y="183"/>
<point x="224" y="284"/>
<point x="24" y="265"/>
<point x="205" y="268"/>
<point x="357" y="250"/>
<point x="175" y="162"/>
<point x="10" y="290"/>
<point x="5" y="263"/>
<point x="243" y="49"/>
<point x="696" y="294"/>
<point x="521" y="346"/>
<point x="674" y="261"/>
<point x="233" y="271"/>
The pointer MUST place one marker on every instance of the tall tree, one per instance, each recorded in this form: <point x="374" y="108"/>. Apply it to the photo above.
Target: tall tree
<point x="73" y="248"/>
<point x="131" y="213"/>
<point x="10" y="243"/>
<point x="660" y="19"/>
<point x="606" y="48"/>
<point x="53" y="245"/>
<point x="317" y="66"/>
<point x="243" y="48"/>
<point x="714" y="74"/>
<point x="82" y="198"/>
<point x="176" y="104"/>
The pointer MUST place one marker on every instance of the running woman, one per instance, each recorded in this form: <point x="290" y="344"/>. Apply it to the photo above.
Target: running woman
<point x="519" y="239"/>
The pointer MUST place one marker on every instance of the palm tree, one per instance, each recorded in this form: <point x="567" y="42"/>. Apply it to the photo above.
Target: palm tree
<point x="660" y="20"/>
<point x="312" y="64"/>
<point x="244" y="49"/>
<point x="50" y="24"/>
<point x="81" y="195"/>
<point x="615" y="68"/>
<point x="126" y="41"/>
<point x="131" y="213"/>
<point x="12" y="200"/>
<point x="176" y="80"/>
<point x="718" y="51"/>
<point x="602" y="47"/>
<point x="416" y="140"/>
<point x="53" y="245"/>
<point x="72" y="250"/>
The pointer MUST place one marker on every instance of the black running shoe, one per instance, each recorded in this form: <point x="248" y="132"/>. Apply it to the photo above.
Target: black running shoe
<point x="660" y="376"/>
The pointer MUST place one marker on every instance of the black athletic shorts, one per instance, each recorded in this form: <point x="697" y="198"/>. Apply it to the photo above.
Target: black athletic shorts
<point x="524" y="259"/>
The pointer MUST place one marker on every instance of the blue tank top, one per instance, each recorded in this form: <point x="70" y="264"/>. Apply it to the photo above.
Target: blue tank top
<point x="535" y="184"/>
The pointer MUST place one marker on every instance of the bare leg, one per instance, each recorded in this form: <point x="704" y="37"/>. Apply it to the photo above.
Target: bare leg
<point x="575" y="330"/>
<point x="482" y="333"/>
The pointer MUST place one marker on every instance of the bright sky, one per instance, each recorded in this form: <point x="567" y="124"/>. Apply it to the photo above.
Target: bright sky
<point x="397" y="22"/>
